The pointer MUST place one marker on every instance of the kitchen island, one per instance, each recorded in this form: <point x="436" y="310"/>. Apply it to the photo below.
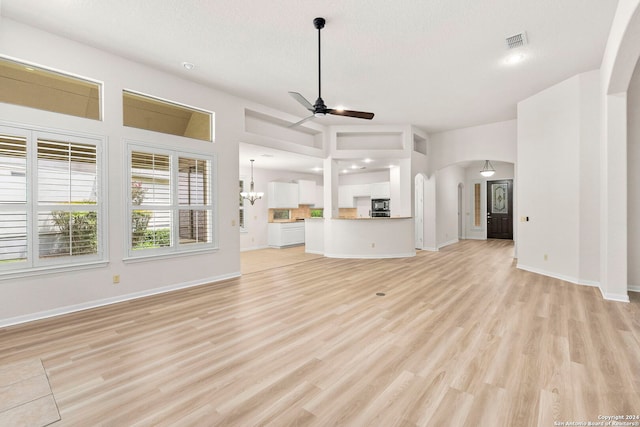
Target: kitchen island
<point x="391" y="237"/>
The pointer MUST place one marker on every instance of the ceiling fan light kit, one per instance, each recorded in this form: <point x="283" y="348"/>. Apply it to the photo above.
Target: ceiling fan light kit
<point x="319" y="108"/>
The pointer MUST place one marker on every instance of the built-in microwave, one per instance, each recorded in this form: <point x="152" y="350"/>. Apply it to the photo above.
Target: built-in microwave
<point x="379" y="205"/>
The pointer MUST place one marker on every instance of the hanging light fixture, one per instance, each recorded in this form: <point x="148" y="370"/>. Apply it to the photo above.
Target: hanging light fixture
<point x="487" y="169"/>
<point x="251" y="196"/>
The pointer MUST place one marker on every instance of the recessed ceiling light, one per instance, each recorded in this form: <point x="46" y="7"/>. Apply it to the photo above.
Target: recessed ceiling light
<point x="316" y="169"/>
<point x="367" y="160"/>
<point x="188" y="65"/>
<point x="514" y="58"/>
<point x="354" y="166"/>
<point x="345" y="170"/>
<point x="339" y="108"/>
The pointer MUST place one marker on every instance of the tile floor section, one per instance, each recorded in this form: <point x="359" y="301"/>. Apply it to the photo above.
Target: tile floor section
<point x="26" y="399"/>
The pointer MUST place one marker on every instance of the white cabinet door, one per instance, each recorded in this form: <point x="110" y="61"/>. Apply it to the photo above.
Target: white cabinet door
<point x="360" y="190"/>
<point x="345" y="196"/>
<point x="380" y="190"/>
<point x="293" y="235"/>
<point x="285" y="234"/>
<point x="282" y="195"/>
<point x="319" y="203"/>
<point x="306" y="192"/>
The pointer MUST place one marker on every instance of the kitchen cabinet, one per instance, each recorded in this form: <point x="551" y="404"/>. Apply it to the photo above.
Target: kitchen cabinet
<point x="282" y="234"/>
<point x="345" y="196"/>
<point x="380" y="190"/>
<point x="282" y="195"/>
<point x="306" y="192"/>
<point x="319" y="204"/>
<point x="360" y="190"/>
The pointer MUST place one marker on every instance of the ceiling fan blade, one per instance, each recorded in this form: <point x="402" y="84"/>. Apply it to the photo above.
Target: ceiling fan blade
<point x="351" y="113"/>
<point x="302" y="100"/>
<point x="302" y="121"/>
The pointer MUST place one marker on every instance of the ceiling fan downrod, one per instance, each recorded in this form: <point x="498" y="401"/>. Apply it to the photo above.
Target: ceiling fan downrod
<point x="318" y="23"/>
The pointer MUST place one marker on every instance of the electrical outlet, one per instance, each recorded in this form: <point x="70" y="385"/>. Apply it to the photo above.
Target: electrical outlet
<point x="373" y="245"/>
<point x="546" y="257"/>
<point x="233" y="222"/>
<point x="116" y="279"/>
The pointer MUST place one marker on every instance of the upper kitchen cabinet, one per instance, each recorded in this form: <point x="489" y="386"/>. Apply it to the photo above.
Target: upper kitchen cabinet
<point x="319" y="204"/>
<point x="306" y="192"/>
<point x="345" y="196"/>
<point x="282" y="195"/>
<point x="380" y="190"/>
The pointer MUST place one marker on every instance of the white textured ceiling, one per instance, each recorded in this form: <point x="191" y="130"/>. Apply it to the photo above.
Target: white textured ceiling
<point x="436" y="64"/>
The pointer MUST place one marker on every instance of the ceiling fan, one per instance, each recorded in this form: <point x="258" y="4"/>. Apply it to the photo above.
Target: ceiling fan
<point x="319" y="109"/>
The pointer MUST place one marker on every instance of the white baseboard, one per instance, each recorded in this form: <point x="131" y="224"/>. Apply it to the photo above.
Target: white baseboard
<point x="589" y="283"/>
<point x="634" y="288"/>
<point x="113" y="300"/>
<point x="450" y="242"/>
<point x="372" y="256"/>
<point x="550" y="274"/>
<point x="606" y="295"/>
<point x="614" y="297"/>
<point x="474" y="238"/>
<point x="253" y="248"/>
<point x="429" y="248"/>
<point x="309" y="251"/>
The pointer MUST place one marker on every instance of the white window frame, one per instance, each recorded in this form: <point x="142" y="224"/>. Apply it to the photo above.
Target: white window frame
<point x="175" y="249"/>
<point x="34" y="264"/>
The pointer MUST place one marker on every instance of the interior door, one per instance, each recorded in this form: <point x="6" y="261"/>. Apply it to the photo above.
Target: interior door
<point x="500" y="209"/>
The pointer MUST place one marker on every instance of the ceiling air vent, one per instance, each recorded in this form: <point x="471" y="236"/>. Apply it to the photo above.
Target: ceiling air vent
<point x="517" y="40"/>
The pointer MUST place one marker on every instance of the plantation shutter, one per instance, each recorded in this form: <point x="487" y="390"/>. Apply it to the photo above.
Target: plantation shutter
<point x="194" y="204"/>
<point x="13" y="198"/>
<point x="67" y="212"/>
<point x="151" y="219"/>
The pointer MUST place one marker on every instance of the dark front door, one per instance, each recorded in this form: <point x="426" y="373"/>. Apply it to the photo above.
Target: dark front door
<point x="500" y="209"/>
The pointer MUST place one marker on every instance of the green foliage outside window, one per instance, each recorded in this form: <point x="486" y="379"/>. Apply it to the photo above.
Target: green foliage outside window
<point x="78" y="232"/>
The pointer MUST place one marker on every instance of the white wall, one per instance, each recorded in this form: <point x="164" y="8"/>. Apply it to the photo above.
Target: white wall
<point x="48" y="294"/>
<point x="589" y="208"/>
<point x="633" y="170"/>
<point x="254" y="235"/>
<point x="364" y="178"/>
<point x="494" y="141"/>
<point x="447" y="180"/>
<point x="557" y="150"/>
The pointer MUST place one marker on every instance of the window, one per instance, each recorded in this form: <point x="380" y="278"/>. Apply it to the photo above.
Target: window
<point x="241" y="209"/>
<point x="171" y="208"/>
<point x="145" y="112"/>
<point x="35" y="87"/>
<point x="477" y="209"/>
<point x="50" y="200"/>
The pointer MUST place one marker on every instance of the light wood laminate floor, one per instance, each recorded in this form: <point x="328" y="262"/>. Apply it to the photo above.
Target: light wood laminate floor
<point x="462" y="338"/>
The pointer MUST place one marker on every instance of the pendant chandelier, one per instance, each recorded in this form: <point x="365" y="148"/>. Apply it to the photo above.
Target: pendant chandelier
<point x="251" y="196"/>
<point x="487" y="169"/>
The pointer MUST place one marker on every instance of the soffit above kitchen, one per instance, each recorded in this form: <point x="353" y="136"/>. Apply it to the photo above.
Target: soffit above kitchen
<point x="274" y="159"/>
<point x="438" y="65"/>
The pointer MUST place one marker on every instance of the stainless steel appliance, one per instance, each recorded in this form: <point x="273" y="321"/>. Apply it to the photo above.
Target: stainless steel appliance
<point x="380" y="208"/>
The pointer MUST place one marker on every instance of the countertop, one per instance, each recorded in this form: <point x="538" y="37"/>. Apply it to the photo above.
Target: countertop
<point x="369" y="218"/>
